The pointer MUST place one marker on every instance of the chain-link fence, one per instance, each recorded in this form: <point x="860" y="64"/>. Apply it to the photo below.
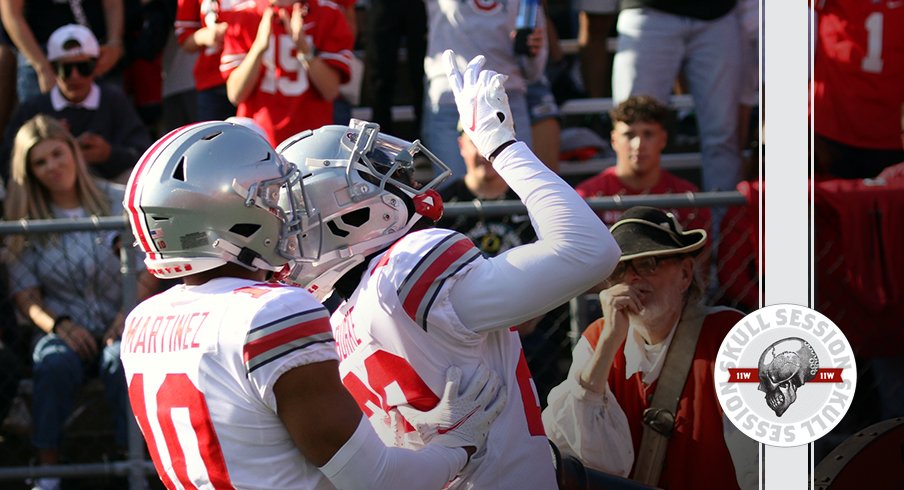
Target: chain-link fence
<point x="89" y="454"/>
<point x="78" y="267"/>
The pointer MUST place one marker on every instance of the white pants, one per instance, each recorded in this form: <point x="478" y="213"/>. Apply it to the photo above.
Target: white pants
<point x="654" y="46"/>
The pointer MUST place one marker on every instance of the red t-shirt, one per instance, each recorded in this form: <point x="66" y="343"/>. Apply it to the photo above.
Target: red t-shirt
<point x="697" y="456"/>
<point x="858" y="77"/>
<point x="191" y="15"/>
<point x="285" y="101"/>
<point x="607" y="184"/>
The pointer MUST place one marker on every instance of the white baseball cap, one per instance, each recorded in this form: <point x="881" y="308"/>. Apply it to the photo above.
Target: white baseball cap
<point x="72" y="40"/>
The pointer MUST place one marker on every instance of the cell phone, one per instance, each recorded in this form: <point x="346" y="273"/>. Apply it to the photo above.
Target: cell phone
<point x="521" y="46"/>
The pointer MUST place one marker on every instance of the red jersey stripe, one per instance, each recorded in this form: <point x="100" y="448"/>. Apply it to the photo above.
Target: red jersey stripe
<point x="440" y="264"/>
<point x="290" y="334"/>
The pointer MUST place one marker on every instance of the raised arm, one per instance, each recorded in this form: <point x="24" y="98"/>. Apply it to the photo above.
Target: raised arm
<point x="574" y="249"/>
<point x="243" y="80"/>
<point x="13" y="14"/>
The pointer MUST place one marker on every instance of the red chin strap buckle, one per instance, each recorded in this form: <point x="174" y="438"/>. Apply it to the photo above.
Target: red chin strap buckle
<point x="429" y="204"/>
<point x="282" y="275"/>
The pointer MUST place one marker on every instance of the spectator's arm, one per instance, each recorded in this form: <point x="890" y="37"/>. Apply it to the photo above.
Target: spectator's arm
<point x="538" y="42"/>
<point x="31" y="304"/>
<point x="205" y="37"/>
<point x="112" y="50"/>
<point x="13" y="15"/>
<point x="351" y="17"/>
<point x="325" y="78"/>
<point x="244" y="79"/>
<point x="586" y="424"/>
<point x="130" y="139"/>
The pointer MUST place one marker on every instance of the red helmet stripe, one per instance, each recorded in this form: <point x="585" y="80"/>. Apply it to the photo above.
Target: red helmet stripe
<point x="133" y="189"/>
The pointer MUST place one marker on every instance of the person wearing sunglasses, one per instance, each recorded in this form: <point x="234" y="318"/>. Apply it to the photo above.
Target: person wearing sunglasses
<point x="653" y="296"/>
<point x="110" y="133"/>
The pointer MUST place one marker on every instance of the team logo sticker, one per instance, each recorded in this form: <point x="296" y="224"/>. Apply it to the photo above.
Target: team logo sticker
<point x="785" y="375"/>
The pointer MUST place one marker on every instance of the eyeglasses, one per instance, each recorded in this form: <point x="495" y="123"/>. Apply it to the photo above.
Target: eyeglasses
<point x="84" y="68"/>
<point x="644" y="266"/>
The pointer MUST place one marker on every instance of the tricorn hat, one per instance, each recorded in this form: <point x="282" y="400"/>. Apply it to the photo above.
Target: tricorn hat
<point x="643" y="231"/>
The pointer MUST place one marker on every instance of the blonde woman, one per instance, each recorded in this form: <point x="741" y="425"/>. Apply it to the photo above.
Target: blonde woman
<point x="66" y="284"/>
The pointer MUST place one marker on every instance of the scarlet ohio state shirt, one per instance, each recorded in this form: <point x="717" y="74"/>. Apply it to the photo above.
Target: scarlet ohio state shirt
<point x="192" y="15"/>
<point x="858" y="81"/>
<point x="397" y="335"/>
<point x="201" y="362"/>
<point x="285" y="101"/>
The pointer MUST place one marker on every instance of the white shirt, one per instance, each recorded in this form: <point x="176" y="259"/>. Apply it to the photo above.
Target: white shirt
<point x="92" y="101"/>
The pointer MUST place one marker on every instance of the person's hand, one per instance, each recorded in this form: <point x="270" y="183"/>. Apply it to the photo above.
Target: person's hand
<point x="535" y="41"/>
<point x="110" y="54"/>
<point x="94" y="147"/>
<point x="46" y="78"/>
<point x="461" y="419"/>
<point x="294" y="25"/>
<point x="617" y="302"/>
<point x="483" y="106"/>
<point x="77" y="338"/>
<point x="114" y="331"/>
<point x="262" y="39"/>
<point x="211" y="37"/>
<point x="895" y="172"/>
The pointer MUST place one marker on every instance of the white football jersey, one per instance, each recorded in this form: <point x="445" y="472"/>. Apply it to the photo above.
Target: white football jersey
<point x="201" y="362"/>
<point x="397" y="335"/>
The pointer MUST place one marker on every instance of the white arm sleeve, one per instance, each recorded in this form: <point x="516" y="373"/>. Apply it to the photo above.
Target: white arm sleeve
<point x="590" y="426"/>
<point x="364" y="462"/>
<point x="574" y="251"/>
<point x="744" y="453"/>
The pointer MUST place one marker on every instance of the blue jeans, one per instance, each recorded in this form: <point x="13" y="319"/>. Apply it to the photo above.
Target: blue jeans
<point x="58" y="375"/>
<point x="213" y="104"/>
<point x="654" y="46"/>
<point x="439" y="131"/>
<point x="26" y="79"/>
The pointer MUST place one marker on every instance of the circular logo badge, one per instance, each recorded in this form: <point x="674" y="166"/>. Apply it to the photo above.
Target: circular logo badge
<point x="785" y="375"/>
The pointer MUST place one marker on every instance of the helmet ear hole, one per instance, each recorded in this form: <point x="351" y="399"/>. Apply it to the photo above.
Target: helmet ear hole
<point x="335" y="230"/>
<point x="357" y="217"/>
<point x="245" y="229"/>
<point x="179" y="171"/>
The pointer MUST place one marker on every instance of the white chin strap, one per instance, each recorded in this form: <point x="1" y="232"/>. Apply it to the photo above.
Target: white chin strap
<point x="322" y="286"/>
<point x="347" y="258"/>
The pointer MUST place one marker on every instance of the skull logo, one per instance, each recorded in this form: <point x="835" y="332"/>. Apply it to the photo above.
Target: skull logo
<point x="784" y="367"/>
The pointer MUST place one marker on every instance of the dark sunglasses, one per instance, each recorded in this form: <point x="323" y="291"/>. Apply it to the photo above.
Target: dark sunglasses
<point x="84" y="68"/>
<point x="644" y="266"/>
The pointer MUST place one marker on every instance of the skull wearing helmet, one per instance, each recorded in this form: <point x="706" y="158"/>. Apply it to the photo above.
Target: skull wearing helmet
<point x="783" y="368"/>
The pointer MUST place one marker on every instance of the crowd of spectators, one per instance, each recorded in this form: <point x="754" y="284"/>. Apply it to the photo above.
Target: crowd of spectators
<point x="106" y="77"/>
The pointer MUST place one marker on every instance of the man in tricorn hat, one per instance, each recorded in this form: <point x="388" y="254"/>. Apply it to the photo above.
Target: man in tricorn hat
<point x="651" y="303"/>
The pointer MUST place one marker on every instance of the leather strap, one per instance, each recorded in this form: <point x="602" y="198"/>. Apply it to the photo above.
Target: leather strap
<point x="659" y="419"/>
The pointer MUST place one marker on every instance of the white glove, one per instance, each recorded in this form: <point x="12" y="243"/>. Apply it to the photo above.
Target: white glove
<point x="461" y="419"/>
<point x="483" y="106"/>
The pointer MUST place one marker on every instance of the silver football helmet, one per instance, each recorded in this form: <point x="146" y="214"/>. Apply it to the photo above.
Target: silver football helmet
<point x="361" y="183"/>
<point x="216" y="192"/>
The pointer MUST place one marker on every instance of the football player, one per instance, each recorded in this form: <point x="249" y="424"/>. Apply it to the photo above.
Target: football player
<point x="419" y="300"/>
<point x="234" y="380"/>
